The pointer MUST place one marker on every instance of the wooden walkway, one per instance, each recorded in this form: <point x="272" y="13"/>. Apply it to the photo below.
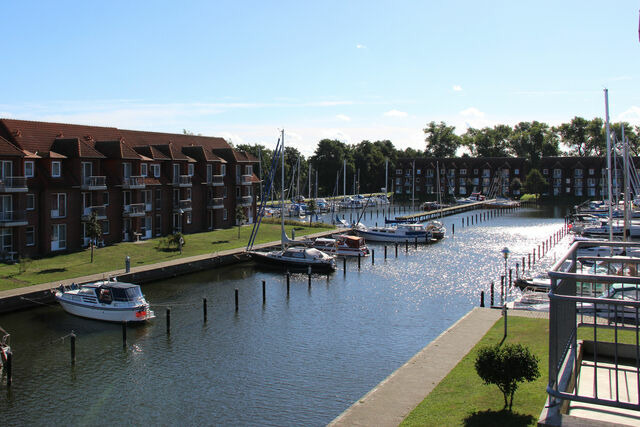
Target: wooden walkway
<point x="437" y="213"/>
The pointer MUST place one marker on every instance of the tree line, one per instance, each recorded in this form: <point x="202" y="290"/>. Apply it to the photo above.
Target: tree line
<point x="366" y="160"/>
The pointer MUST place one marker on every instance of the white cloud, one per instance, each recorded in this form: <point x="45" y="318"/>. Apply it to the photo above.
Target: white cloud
<point x="343" y="118"/>
<point x="472" y="112"/>
<point x="631" y="115"/>
<point x="396" y="113"/>
<point x="360" y="46"/>
<point x="457" y="88"/>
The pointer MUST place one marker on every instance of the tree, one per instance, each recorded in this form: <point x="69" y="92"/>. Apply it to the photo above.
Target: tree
<point x="532" y="141"/>
<point x="515" y="185"/>
<point x="240" y="218"/>
<point x="535" y="183"/>
<point x="441" y="140"/>
<point x="94" y="231"/>
<point x="574" y="135"/>
<point x="488" y="142"/>
<point x="327" y="160"/>
<point x="506" y="366"/>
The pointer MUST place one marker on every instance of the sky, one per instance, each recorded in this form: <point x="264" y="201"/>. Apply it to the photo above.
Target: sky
<point x="347" y="70"/>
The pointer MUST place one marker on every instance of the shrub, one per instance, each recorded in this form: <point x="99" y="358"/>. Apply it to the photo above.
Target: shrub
<point x="506" y="366"/>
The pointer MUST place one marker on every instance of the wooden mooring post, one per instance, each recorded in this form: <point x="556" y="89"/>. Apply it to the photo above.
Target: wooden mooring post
<point x="204" y="306"/>
<point x="168" y="320"/>
<point x="73" y="347"/>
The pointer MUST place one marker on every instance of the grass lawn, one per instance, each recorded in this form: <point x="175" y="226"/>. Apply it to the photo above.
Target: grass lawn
<point x="150" y="251"/>
<point x="462" y="398"/>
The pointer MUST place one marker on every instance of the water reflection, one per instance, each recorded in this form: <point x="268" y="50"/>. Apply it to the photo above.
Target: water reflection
<point x="298" y="360"/>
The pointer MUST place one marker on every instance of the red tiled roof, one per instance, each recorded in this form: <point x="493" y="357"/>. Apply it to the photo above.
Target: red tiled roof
<point x="74" y="147"/>
<point x="150" y="153"/>
<point x="116" y="150"/>
<point x="171" y="150"/>
<point x="8" y="149"/>
<point x="201" y="153"/>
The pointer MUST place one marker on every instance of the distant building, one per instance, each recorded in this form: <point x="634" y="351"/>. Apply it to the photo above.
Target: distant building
<point x="140" y="185"/>
<point x="461" y="176"/>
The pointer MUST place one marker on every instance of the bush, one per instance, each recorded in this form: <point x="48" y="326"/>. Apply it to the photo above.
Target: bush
<point x="506" y="366"/>
<point x="171" y="241"/>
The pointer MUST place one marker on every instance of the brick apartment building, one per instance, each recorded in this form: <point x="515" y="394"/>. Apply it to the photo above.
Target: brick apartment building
<point x="461" y="176"/>
<point x="139" y="184"/>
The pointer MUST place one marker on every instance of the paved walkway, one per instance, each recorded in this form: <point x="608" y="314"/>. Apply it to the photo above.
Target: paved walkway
<point x="395" y="397"/>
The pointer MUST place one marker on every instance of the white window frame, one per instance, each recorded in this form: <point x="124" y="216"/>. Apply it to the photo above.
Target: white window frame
<point x="56" y="169"/>
<point x="225" y="214"/>
<point x="190" y="169"/>
<point x="223" y="169"/>
<point x="106" y="227"/>
<point x="155" y="168"/>
<point x="61" y="200"/>
<point x="30" y="230"/>
<point x="59" y="228"/>
<point x="29" y="169"/>
<point x="248" y="170"/>
<point x="144" y="169"/>
<point x="32" y="197"/>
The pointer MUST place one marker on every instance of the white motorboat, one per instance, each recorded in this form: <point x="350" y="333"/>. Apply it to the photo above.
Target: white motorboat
<point x="297" y="258"/>
<point x="112" y="301"/>
<point x="342" y="245"/>
<point x="396" y="233"/>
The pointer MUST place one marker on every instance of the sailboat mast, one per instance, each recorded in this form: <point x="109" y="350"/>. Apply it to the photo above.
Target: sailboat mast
<point x="344" y="178"/>
<point x="386" y="176"/>
<point x="606" y="109"/>
<point x="626" y="183"/>
<point x="413" y="185"/>
<point x="282" y="191"/>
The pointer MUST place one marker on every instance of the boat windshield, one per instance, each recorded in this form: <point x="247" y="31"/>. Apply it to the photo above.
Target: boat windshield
<point x="126" y="294"/>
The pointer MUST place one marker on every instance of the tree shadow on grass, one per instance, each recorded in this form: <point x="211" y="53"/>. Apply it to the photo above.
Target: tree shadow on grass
<point x="52" y="270"/>
<point x="498" y="418"/>
<point x="217" y="242"/>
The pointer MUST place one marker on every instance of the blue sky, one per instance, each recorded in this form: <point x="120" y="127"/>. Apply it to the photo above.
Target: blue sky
<point x="350" y="70"/>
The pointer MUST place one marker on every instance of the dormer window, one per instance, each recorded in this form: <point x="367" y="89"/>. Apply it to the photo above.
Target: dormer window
<point x="190" y="168"/>
<point x="56" y="169"/>
<point x="143" y="169"/>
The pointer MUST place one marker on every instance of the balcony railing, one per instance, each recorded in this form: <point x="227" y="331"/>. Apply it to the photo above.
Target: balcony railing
<point x="133" y="182"/>
<point x="101" y="212"/>
<point x="13" y="184"/>
<point x="182" y="181"/>
<point x="94" y="183"/>
<point x="216" y="181"/>
<point x="185" y="205"/>
<point x="13" y="218"/>
<point x="246" y="201"/>
<point x="135" y="209"/>
<point x="216" y="203"/>
<point x="244" y="179"/>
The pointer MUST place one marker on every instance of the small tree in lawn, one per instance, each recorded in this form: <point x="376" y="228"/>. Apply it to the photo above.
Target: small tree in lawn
<point x="506" y="366"/>
<point x="535" y="183"/>
<point x="94" y="231"/>
<point x="240" y="218"/>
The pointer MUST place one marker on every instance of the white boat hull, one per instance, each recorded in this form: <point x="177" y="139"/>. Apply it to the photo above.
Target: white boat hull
<point x="103" y="312"/>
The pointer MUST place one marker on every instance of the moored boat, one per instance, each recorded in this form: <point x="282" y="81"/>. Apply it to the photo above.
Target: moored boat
<point x="297" y="258"/>
<point x="397" y="233"/>
<point x="342" y="245"/>
<point x="112" y="301"/>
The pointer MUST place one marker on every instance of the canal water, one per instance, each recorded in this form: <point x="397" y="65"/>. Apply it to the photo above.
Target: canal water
<point x="300" y="360"/>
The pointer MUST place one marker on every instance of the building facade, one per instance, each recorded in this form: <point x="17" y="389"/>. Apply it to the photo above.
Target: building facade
<point x="140" y="185"/>
<point x="495" y="176"/>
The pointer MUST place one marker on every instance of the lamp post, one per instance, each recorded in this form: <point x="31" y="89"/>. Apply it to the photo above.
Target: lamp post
<point x="505" y="253"/>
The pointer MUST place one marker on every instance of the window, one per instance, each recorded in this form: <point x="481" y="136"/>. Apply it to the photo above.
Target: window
<point x="126" y="170"/>
<point x="545" y="171"/>
<point x="31" y="201"/>
<point x="105" y="227"/>
<point x="59" y="205"/>
<point x="143" y="169"/>
<point x="557" y="173"/>
<point x="190" y="168"/>
<point x="158" y="223"/>
<point x="188" y="217"/>
<point x="224" y="214"/>
<point x="58" y="237"/>
<point x="158" y="199"/>
<point x="237" y="191"/>
<point x="591" y="171"/>
<point x="463" y="171"/>
<point x="155" y="170"/>
<point x="475" y="171"/>
<point x="209" y="173"/>
<point x="188" y="192"/>
<point x="224" y="192"/>
<point x="105" y="198"/>
<point x="398" y="181"/>
<point x="30" y="236"/>
<point x="398" y="171"/>
<point x="28" y="169"/>
<point x="249" y="170"/>
<point x="55" y="169"/>
<point x="176" y="172"/>
<point x="418" y="171"/>
<point x="516" y="172"/>
<point x="223" y="169"/>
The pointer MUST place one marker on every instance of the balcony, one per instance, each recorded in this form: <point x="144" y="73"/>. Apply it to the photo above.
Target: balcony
<point x="133" y="210"/>
<point x="94" y="183"/>
<point x="216" y="181"/>
<point x="13" y="184"/>
<point x="181" y="181"/>
<point x="245" y="201"/>
<point x="215" y="203"/>
<point x="184" y="205"/>
<point x="13" y="218"/>
<point x="133" y="183"/>
<point x="244" y="179"/>
<point x="101" y="212"/>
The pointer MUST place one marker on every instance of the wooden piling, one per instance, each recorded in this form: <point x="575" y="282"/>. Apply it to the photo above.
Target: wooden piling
<point x="492" y="292"/>
<point x="406" y="246"/>
<point x="373" y="256"/>
<point x="168" y="320"/>
<point x="204" y="307"/>
<point x="8" y="367"/>
<point x="481" y="298"/>
<point x="415" y="243"/>
<point x="359" y="261"/>
<point x="396" y="249"/>
<point x="344" y="265"/>
<point x="453" y="229"/>
<point x="73" y="348"/>
<point x="236" y="295"/>
<point x="264" y="292"/>
<point x="385" y="251"/>
<point x="124" y="334"/>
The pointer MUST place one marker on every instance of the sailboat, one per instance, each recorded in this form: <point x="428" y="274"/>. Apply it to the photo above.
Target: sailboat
<point x="293" y="257"/>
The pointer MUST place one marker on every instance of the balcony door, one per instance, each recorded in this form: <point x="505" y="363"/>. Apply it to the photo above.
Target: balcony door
<point x="6" y="169"/>
<point x="87" y="172"/>
<point x="6" y="205"/>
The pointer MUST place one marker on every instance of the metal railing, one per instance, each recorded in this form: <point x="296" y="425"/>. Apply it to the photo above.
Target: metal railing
<point x="94" y="183"/>
<point x="133" y="182"/>
<point x="575" y="307"/>
<point x="215" y="203"/>
<point x="10" y="184"/>
<point x="244" y="179"/>
<point x="101" y="212"/>
<point x="185" y="205"/>
<point x="216" y="180"/>
<point x="182" y="181"/>
<point x="134" y="209"/>
<point x="15" y="216"/>
<point x="246" y="201"/>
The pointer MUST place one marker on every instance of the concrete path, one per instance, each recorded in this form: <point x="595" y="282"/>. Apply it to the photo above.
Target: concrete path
<point x="395" y="397"/>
